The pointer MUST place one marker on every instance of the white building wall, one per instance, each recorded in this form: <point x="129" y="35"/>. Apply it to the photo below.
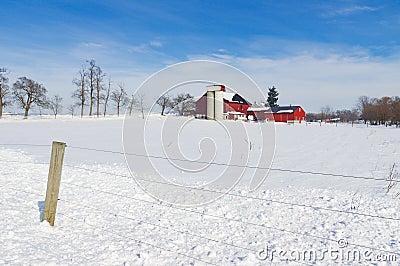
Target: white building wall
<point x="219" y="105"/>
<point x="210" y="104"/>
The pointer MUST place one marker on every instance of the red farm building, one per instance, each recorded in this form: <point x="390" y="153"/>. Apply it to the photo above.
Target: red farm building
<point x="286" y="114"/>
<point x="218" y="104"/>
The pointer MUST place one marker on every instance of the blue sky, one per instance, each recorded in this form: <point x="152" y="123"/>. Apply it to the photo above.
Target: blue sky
<point x="316" y="53"/>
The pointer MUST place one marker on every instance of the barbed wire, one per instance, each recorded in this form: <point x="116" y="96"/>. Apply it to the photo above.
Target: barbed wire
<point x="231" y="194"/>
<point x="30" y="162"/>
<point x="157" y="225"/>
<point x="230" y="219"/>
<point x="173" y="251"/>
<point x="232" y="165"/>
<point x="246" y="222"/>
<point x="141" y="241"/>
<point x="241" y="196"/>
<point x="25" y="144"/>
<point x="227" y="218"/>
<point x="123" y="236"/>
<point x="320" y="208"/>
<point x="216" y="163"/>
<point x="160" y="203"/>
<point x="140" y="222"/>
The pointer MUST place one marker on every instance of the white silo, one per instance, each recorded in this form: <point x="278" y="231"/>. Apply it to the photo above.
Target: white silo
<point x="210" y="104"/>
<point x="215" y="102"/>
<point x="219" y="105"/>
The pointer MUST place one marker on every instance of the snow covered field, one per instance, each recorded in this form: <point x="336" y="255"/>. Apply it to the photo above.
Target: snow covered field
<point x="105" y="218"/>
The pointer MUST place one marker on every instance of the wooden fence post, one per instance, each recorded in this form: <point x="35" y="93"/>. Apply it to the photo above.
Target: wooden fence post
<point x="53" y="182"/>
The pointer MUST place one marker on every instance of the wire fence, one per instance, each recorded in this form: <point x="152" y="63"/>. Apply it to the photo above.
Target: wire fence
<point x="293" y="204"/>
<point x="113" y="232"/>
<point x="212" y="163"/>
<point x="195" y="211"/>
<point x="231" y="219"/>
<point x="232" y="165"/>
<point x="114" y="214"/>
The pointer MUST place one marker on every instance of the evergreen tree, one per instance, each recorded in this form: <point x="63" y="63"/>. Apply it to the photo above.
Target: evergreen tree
<point x="272" y="99"/>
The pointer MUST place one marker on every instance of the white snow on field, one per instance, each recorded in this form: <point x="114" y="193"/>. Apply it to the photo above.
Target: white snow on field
<point x="107" y="219"/>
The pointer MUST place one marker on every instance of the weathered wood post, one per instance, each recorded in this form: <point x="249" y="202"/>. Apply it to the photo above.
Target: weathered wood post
<point x="53" y="182"/>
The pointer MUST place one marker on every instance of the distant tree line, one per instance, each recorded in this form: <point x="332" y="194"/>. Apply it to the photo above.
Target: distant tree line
<point x="380" y="111"/>
<point x="92" y="95"/>
<point x="327" y="113"/>
<point x="93" y="90"/>
<point x="375" y="111"/>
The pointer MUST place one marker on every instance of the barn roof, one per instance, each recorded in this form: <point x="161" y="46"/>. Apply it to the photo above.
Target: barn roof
<point x="259" y="108"/>
<point x="232" y="97"/>
<point x="284" y="109"/>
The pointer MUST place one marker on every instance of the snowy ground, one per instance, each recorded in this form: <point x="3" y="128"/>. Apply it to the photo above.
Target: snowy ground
<point x="107" y="219"/>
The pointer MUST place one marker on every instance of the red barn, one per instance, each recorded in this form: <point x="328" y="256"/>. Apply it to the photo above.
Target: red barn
<point x="289" y="113"/>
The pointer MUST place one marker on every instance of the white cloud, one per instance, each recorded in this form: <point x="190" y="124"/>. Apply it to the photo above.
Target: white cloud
<point x="142" y="48"/>
<point x="93" y="45"/>
<point x="145" y="47"/>
<point x="156" y="44"/>
<point x="222" y="57"/>
<point x="345" y="11"/>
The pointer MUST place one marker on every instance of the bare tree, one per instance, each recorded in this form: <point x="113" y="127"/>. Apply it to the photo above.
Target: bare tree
<point x="54" y="104"/>
<point x="164" y="102"/>
<point x="371" y="109"/>
<point x="141" y="103"/>
<point x="347" y="115"/>
<point x="119" y="97"/>
<point x="384" y="108"/>
<point x="313" y="116"/>
<point x="354" y="115"/>
<point x="81" y="91"/>
<point x="184" y="104"/>
<point x="27" y="93"/>
<point x="396" y="110"/>
<point x="362" y="102"/>
<point x="107" y="96"/>
<point x="71" y="109"/>
<point x="91" y="73"/>
<point x="132" y="103"/>
<point x="5" y="93"/>
<point x="326" y="112"/>
<point x="99" y="76"/>
<point x="364" y="105"/>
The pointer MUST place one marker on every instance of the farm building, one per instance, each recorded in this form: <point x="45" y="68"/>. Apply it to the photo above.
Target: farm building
<point x="219" y="104"/>
<point x="289" y="113"/>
